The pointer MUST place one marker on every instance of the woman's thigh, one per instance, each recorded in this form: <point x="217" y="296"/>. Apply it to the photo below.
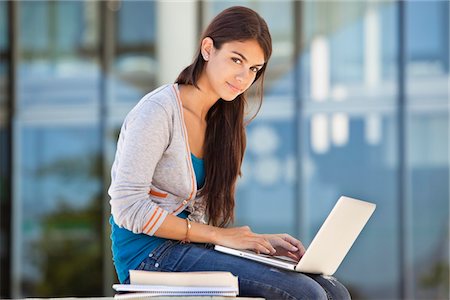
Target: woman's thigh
<point x="255" y="279"/>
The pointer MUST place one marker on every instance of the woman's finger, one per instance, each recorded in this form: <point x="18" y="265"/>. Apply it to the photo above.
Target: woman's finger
<point x="286" y="245"/>
<point x="263" y="245"/>
<point x="267" y="245"/>
<point x="295" y="256"/>
<point x="295" y="242"/>
<point x="259" y="248"/>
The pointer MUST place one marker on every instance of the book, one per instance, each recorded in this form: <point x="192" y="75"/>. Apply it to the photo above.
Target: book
<point x="127" y="291"/>
<point x="147" y="284"/>
<point x="212" y="278"/>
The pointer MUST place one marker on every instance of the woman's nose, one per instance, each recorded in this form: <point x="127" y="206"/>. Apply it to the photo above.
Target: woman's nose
<point x="242" y="76"/>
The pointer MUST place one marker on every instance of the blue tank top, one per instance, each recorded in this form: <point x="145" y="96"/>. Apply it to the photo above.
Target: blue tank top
<point x="199" y="170"/>
<point x="130" y="249"/>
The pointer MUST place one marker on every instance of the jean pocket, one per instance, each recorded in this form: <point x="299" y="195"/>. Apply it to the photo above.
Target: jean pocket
<point x="162" y="250"/>
<point x="143" y="264"/>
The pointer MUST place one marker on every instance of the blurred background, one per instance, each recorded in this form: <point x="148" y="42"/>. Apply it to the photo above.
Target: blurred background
<point x="356" y="103"/>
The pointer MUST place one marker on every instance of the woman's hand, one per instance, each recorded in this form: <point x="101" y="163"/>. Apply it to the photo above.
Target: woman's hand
<point x="286" y="245"/>
<point x="243" y="238"/>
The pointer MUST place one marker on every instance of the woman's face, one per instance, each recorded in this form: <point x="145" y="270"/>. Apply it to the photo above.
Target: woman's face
<point x="231" y="69"/>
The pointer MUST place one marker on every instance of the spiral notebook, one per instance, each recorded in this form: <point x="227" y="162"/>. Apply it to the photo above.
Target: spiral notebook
<point x="131" y="291"/>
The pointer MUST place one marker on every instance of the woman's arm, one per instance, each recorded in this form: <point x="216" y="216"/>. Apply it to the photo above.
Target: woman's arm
<point x="175" y="228"/>
<point x="143" y="139"/>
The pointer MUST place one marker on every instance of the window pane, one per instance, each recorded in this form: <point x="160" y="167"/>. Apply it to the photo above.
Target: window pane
<point x="266" y="193"/>
<point x="5" y="199"/>
<point x="350" y="51"/>
<point x="427" y="31"/>
<point x="428" y="197"/>
<point x="355" y="156"/>
<point x="61" y="205"/>
<point x="350" y="133"/>
<point x="58" y="53"/>
<point x="135" y="65"/>
<point x="57" y="195"/>
<point x="4" y="63"/>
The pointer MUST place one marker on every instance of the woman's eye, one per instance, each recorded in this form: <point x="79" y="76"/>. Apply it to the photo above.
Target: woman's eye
<point x="254" y="69"/>
<point x="237" y="60"/>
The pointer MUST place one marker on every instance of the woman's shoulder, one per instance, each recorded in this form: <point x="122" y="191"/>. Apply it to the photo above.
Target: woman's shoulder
<point x="165" y="96"/>
<point x="159" y="104"/>
<point x="161" y="99"/>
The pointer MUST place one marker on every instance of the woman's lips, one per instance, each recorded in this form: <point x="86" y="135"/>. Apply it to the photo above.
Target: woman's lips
<point x="233" y="88"/>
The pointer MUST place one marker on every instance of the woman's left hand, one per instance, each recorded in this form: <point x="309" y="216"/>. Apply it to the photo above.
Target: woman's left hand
<point x="286" y="245"/>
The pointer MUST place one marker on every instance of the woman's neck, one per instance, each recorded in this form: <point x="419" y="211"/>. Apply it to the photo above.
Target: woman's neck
<point x="197" y="101"/>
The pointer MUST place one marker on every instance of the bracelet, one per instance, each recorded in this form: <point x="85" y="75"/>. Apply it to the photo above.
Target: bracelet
<point x="188" y="227"/>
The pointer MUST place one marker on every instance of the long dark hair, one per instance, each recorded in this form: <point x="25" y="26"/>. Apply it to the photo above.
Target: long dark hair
<point x="225" y="139"/>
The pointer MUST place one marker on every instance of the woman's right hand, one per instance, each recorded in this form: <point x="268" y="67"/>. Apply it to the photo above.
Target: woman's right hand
<point x="243" y="238"/>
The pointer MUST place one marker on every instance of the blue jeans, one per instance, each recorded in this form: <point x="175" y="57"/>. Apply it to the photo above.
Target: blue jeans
<point x="255" y="279"/>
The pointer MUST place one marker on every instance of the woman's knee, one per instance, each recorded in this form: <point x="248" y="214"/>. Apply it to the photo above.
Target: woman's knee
<point x="337" y="290"/>
<point x="310" y="290"/>
<point x="333" y="288"/>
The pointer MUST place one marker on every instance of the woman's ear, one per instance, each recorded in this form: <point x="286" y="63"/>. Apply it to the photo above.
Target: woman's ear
<point x="207" y="47"/>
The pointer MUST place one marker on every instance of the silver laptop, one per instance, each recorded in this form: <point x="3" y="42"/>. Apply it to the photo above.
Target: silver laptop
<point x="330" y="245"/>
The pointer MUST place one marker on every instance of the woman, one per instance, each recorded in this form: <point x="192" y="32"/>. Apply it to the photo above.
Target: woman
<point x="178" y="157"/>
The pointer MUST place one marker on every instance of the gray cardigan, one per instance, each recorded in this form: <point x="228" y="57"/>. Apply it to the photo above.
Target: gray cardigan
<point x="152" y="174"/>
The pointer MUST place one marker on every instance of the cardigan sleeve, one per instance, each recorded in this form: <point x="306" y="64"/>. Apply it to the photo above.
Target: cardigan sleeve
<point x="144" y="136"/>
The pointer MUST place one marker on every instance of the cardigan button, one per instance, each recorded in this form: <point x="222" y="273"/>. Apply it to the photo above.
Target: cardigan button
<point x="185" y="202"/>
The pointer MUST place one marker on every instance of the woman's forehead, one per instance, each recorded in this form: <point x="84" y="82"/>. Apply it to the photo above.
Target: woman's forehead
<point x="249" y="49"/>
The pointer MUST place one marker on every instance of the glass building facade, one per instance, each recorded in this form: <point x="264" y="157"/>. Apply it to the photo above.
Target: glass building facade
<point x="356" y="103"/>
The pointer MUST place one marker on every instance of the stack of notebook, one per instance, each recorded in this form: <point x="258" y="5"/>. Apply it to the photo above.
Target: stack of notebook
<point x="147" y="284"/>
